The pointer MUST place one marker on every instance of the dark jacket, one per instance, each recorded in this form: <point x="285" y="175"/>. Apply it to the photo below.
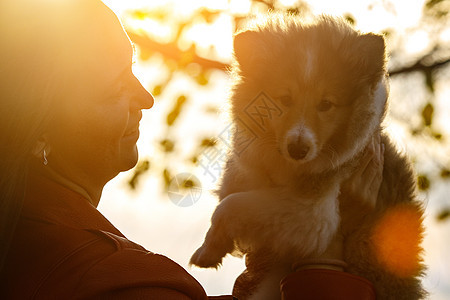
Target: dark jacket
<point x="64" y="248"/>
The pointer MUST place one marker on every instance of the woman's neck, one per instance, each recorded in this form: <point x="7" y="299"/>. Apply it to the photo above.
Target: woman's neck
<point x="92" y="194"/>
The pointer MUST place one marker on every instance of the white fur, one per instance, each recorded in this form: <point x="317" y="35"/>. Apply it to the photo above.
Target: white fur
<point x="291" y="226"/>
<point x="380" y="95"/>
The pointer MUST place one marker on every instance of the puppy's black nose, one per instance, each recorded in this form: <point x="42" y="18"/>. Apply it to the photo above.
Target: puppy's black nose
<point x="298" y="150"/>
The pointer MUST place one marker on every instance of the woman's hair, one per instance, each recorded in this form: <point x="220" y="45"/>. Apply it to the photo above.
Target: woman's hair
<point x="35" y="55"/>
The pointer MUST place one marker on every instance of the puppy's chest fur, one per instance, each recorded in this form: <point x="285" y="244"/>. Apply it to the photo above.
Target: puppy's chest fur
<point x="243" y="176"/>
<point x="308" y="202"/>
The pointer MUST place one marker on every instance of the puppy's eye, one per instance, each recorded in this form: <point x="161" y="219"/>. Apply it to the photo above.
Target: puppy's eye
<point x="286" y="100"/>
<point x="324" y="105"/>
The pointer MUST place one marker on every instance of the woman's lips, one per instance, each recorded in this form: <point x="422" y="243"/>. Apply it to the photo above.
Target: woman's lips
<point x="131" y="133"/>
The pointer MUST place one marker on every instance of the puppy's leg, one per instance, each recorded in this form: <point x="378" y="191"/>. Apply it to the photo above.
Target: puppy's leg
<point x="216" y="245"/>
<point x="271" y="218"/>
<point x="219" y="239"/>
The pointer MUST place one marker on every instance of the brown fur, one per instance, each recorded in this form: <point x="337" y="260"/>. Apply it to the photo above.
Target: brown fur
<point x="269" y="200"/>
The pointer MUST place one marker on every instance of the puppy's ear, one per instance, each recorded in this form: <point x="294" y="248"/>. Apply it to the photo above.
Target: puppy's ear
<point x="372" y="55"/>
<point x="247" y="46"/>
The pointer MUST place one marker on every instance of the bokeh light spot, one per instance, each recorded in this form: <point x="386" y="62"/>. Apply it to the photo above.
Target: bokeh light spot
<point x="397" y="237"/>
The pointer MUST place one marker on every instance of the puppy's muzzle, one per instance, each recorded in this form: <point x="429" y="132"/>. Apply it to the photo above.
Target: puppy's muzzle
<point x="298" y="149"/>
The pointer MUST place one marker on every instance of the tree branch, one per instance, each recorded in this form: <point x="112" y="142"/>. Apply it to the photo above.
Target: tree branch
<point x="420" y="66"/>
<point x="171" y="50"/>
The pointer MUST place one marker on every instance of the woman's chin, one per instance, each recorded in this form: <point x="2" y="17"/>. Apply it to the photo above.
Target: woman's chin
<point x="129" y="159"/>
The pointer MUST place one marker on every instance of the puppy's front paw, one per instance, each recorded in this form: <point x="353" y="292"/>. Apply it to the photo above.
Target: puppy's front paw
<point x="205" y="257"/>
<point x="214" y="248"/>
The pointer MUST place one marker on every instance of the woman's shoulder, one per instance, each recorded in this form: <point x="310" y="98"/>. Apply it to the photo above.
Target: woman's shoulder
<point x="64" y="246"/>
<point x="56" y="260"/>
<point x="135" y="271"/>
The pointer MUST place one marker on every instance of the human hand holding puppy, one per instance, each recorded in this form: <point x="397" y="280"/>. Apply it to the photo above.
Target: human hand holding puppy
<point x="365" y="182"/>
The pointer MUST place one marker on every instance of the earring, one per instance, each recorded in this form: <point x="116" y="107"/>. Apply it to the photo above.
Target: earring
<point x="44" y="156"/>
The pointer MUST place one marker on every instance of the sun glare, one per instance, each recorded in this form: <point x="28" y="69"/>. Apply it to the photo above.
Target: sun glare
<point x="217" y="36"/>
<point x="239" y="6"/>
<point x="396" y="239"/>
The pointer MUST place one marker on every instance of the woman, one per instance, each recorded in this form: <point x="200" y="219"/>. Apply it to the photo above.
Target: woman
<point x="70" y="112"/>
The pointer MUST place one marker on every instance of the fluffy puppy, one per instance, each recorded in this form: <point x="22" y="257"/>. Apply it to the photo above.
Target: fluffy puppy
<point x="306" y="101"/>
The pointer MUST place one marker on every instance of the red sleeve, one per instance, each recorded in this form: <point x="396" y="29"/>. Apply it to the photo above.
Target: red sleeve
<point x="326" y="284"/>
<point x="136" y="274"/>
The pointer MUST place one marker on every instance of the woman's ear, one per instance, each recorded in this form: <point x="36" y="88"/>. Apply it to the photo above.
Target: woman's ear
<point x="40" y="146"/>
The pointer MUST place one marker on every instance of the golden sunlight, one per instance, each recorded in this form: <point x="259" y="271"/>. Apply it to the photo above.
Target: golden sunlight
<point x="417" y="42"/>
<point x="217" y="36"/>
<point x="396" y="239"/>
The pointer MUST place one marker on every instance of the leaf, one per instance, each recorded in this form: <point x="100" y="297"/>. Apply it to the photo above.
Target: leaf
<point x="139" y="170"/>
<point x="167" y="177"/>
<point x="437" y="135"/>
<point x="416" y="131"/>
<point x="173" y="115"/>
<point x="188" y="184"/>
<point x="157" y="90"/>
<point x="188" y="181"/>
<point x="208" y="142"/>
<point x="139" y="14"/>
<point x="427" y="114"/>
<point x="156" y="14"/>
<point x="350" y="19"/>
<point x="387" y="32"/>
<point x="293" y="11"/>
<point x="181" y="100"/>
<point x="202" y="79"/>
<point x="443" y="215"/>
<point x="429" y="79"/>
<point x="432" y="3"/>
<point x="168" y="145"/>
<point x="210" y="109"/>
<point x="437" y="8"/>
<point x="194" y="159"/>
<point x="423" y="182"/>
<point x="445" y="173"/>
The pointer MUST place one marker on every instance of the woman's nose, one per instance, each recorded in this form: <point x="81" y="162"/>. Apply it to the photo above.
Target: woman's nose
<point x="142" y="98"/>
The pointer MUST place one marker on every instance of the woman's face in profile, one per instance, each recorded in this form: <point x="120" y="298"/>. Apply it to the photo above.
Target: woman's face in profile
<point x="95" y="131"/>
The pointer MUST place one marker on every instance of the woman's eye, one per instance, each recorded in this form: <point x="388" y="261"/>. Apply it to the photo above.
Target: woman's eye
<point x="286" y="100"/>
<point x="324" y="105"/>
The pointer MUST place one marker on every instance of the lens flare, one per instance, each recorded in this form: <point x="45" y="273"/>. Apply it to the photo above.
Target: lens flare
<point x="397" y="237"/>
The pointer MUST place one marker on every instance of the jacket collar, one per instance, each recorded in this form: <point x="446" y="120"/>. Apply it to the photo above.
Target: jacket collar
<point x="48" y="201"/>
